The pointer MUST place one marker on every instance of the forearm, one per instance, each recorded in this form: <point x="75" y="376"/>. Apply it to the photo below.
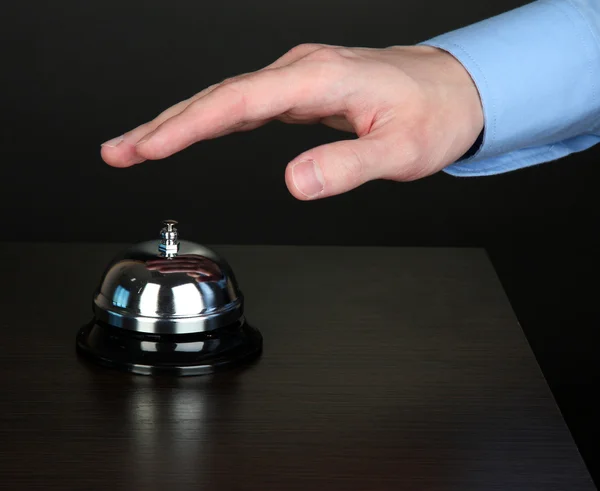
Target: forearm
<point x="537" y="70"/>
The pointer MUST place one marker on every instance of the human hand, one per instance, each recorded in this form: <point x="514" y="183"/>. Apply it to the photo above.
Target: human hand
<point x="414" y="109"/>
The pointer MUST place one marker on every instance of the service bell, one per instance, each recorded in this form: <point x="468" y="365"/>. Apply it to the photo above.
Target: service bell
<point x="168" y="306"/>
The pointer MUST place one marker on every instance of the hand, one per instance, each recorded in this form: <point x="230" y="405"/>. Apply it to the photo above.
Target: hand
<point x="415" y="111"/>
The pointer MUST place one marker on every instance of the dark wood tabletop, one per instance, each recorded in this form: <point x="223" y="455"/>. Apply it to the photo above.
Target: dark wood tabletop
<point x="383" y="369"/>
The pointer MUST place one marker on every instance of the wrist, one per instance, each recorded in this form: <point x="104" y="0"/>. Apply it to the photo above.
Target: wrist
<point x="456" y="101"/>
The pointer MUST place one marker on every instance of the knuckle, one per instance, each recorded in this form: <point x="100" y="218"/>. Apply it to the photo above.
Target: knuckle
<point x="353" y="165"/>
<point x="328" y="65"/>
<point x="236" y="94"/>
<point x="228" y="80"/>
<point x="326" y="53"/>
<point x="304" y="48"/>
<point x="345" y="52"/>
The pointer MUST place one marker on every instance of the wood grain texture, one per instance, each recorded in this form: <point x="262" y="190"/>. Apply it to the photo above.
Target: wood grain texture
<point x="383" y="369"/>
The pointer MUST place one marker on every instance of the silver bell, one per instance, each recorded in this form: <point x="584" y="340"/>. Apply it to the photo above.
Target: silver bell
<point x="168" y="306"/>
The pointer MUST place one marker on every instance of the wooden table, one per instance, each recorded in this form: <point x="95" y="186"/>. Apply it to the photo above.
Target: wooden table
<point x="383" y="369"/>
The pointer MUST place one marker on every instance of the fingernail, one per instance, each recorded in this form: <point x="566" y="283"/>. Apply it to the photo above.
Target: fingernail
<point x="113" y="143"/>
<point x="143" y="140"/>
<point x="308" y="178"/>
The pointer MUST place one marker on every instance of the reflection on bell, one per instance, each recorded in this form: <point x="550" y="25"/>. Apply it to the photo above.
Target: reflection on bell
<point x="169" y="306"/>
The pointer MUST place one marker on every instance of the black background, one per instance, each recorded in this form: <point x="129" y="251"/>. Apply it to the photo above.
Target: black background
<point x="75" y="74"/>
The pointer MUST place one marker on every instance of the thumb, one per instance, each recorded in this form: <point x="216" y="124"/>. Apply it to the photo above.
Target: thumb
<point x="335" y="168"/>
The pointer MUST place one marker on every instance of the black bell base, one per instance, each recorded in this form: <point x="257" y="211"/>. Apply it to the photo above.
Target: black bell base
<point x="201" y="353"/>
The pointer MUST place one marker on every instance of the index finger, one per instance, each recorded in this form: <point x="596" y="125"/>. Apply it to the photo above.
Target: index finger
<point x="249" y="101"/>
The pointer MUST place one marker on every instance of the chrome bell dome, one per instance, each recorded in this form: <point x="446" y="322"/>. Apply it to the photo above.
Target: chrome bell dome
<point x="168" y="286"/>
<point x="158" y="296"/>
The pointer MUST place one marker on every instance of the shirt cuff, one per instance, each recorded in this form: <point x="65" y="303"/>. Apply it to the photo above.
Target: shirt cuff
<point x="537" y="70"/>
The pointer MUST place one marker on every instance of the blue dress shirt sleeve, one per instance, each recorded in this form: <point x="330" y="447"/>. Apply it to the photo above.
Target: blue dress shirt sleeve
<point x="537" y="70"/>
